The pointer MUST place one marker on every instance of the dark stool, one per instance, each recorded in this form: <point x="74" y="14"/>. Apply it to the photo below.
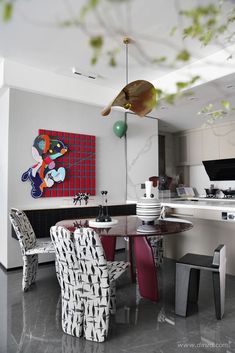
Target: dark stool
<point x="188" y="277"/>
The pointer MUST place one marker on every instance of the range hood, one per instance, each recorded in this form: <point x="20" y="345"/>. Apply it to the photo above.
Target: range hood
<point x="220" y="169"/>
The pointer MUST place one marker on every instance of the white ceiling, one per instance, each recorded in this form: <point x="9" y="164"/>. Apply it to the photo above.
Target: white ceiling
<point x="183" y="114"/>
<point x="34" y="37"/>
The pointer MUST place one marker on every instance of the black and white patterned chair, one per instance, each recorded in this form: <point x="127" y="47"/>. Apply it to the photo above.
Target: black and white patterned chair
<point x="87" y="282"/>
<point x="30" y="246"/>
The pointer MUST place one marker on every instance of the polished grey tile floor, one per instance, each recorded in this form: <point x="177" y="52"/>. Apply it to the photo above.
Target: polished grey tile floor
<point x="30" y="322"/>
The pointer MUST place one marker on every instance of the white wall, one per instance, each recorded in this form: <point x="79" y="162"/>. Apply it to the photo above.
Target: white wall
<point x="4" y="130"/>
<point x="30" y="112"/>
<point x="142" y="154"/>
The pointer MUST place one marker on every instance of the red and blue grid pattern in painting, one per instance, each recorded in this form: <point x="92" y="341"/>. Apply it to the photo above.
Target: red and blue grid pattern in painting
<point x="79" y="163"/>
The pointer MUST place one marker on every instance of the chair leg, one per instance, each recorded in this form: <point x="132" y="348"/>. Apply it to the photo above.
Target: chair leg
<point x="72" y="314"/>
<point x="219" y="292"/>
<point x="72" y="305"/>
<point x="30" y="266"/>
<point x="194" y="285"/>
<point x="112" y="297"/>
<point x="156" y="244"/>
<point x="96" y="319"/>
<point x="181" y="289"/>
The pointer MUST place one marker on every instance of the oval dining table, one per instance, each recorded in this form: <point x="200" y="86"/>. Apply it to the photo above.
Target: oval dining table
<point x="139" y="246"/>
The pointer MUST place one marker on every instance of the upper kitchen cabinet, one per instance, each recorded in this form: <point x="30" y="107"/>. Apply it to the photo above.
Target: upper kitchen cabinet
<point x="182" y="149"/>
<point x="210" y="144"/>
<point x="195" y="147"/>
<point x="189" y="148"/>
<point x="226" y="136"/>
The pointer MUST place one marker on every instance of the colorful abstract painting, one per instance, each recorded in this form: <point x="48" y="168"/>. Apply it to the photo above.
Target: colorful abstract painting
<point x="44" y="174"/>
<point x="65" y="164"/>
<point x="79" y="163"/>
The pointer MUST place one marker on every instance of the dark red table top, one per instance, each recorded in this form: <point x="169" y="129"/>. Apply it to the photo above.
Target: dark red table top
<point x="127" y="226"/>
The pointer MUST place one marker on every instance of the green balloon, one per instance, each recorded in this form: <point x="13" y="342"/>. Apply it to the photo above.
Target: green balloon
<point x="119" y="128"/>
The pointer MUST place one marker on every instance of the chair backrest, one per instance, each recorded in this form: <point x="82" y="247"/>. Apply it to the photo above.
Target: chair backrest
<point x="219" y="258"/>
<point x="23" y="229"/>
<point x="66" y="255"/>
<point x="93" y="264"/>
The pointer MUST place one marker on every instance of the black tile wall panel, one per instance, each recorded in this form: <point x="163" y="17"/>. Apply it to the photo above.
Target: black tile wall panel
<point x="43" y="219"/>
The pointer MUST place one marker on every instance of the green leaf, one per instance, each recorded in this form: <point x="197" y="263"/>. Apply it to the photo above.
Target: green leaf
<point x="94" y="60"/>
<point x="182" y="85"/>
<point x="183" y="55"/>
<point x="217" y="114"/>
<point x="112" y="61"/>
<point x="194" y="79"/>
<point x="88" y="7"/>
<point x="159" y="60"/>
<point x="207" y="109"/>
<point x="172" y="31"/>
<point x="112" y="54"/>
<point x="96" y="42"/>
<point x="159" y="92"/>
<point x="170" y="98"/>
<point x="7" y="11"/>
<point x="211" y="22"/>
<point x="221" y="29"/>
<point x="225" y="104"/>
<point x="206" y="37"/>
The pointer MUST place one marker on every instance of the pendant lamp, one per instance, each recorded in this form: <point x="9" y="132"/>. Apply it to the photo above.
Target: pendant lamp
<point x="138" y="96"/>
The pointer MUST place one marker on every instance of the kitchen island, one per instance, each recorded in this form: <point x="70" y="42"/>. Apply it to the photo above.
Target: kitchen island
<point x="214" y="224"/>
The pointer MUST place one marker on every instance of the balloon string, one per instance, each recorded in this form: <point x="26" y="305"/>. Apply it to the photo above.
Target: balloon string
<point x="80" y="159"/>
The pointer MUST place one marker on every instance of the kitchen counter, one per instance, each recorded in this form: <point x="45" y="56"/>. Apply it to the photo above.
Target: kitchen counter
<point x="69" y="205"/>
<point x="226" y="205"/>
<point x="213" y="224"/>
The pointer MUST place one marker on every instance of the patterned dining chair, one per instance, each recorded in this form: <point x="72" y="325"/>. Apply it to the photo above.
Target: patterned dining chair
<point x="30" y="246"/>
<point x="87" y="282"/>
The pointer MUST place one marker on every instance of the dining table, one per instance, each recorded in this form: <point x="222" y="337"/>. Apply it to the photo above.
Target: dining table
<point x="132" y="229"/>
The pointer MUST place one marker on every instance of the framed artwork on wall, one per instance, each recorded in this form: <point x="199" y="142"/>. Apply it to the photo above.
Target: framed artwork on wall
<point x="64" y="165"/>
<point x="79" y="163"/>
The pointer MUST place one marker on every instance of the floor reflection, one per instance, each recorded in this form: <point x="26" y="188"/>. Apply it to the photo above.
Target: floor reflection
<point x="30" y="322"/>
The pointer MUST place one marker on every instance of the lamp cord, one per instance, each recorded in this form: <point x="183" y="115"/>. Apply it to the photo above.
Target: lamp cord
<point x="127" y="63"/>
<point x="125" y="119"/>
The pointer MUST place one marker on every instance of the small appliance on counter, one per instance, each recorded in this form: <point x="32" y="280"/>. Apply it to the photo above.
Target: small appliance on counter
<point x="229" y="193"/>
<point x="218" y="194"/>
<point x="184" y="191"/>
<point x="212" y="192"/>
<point x="148" y="209"/>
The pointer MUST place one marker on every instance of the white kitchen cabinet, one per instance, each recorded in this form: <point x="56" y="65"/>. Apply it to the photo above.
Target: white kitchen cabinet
<point x="226" y="141"/>
<point x="195" y="147"/>
<point x="189" y="148"/>
<point x="182" y="149"/>
<point x="210" y="144"/>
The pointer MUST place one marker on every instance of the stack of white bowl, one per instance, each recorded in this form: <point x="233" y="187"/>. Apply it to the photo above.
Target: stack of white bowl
<point x="148" y="208"/>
